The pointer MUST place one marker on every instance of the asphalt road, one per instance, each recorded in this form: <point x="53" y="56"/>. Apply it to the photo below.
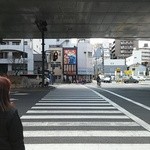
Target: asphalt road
<point x="133" y="99"/>
<point x="25" y="98"/>
<point x="85" y="117"/>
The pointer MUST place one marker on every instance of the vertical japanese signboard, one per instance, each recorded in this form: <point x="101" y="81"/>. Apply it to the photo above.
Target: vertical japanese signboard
<point x="70" y="61"/>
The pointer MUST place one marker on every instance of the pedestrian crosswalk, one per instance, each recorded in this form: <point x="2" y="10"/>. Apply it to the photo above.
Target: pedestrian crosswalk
<point x="74" y="117"/>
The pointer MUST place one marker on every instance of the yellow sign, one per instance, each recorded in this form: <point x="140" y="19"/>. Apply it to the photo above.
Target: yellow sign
<point x="128" y="72"/>
<point x="118" y="69"/>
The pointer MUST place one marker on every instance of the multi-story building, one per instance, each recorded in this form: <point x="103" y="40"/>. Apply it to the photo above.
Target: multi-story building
<point x="122" y="49"/>
<point x="112" y="65"/>
<point x="101" y="53"/>
<point x="135" y="58"/>
<point x="140" y="55"/>
<point x="74" y="60"/>
<point x="145" y="55"/>
<point x="55" y="65"/>
<point x="140" y="61"/>
<point x="16" y="56"/>
<point x="85" y="68"/>
<point x="50" y="43"/>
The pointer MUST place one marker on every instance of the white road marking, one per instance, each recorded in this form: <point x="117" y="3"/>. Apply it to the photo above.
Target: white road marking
<point x="87" y="146"/>
<point x="74" y="117"/>
<point x="79" y="98"/>
<point x="71" y="107"/>
<point x="133" y="117"/>
<point x="21" y="94"/>
<point x="26" y="124"/>
<point x="13" y="99"/>
<point x="80" y="133"/>
<point x="127" y="99"/>
<point x="75" y="101"/>
<point x="87" y="133"/>
<point x="72" y="111"/>
<point x="79" y="104"/>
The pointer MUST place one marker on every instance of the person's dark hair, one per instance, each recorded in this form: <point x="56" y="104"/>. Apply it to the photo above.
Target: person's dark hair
<point x="5" y="85"/>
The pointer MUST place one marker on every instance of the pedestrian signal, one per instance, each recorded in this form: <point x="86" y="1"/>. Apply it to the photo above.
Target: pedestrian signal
<point x="55" y="56"/>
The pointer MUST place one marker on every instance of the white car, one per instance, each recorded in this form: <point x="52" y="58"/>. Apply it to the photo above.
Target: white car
<point x="141" y="78"/>
<point x="107" y="80"/>
<point x="135" y="77"/>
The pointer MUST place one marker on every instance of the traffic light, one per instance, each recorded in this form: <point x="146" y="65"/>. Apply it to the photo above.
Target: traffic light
<point x="55" y="56"/>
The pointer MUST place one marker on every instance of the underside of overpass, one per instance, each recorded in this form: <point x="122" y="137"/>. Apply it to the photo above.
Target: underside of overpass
<point x="75" y="18"/>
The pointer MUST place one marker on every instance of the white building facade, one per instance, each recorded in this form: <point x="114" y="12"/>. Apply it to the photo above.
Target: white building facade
<point x="55" y="67"/>
<point x="16" y="56"/>
<point x="112" y="65"/>
<point x="140" y="56"/>
<point x="85" y="60"/>
<point x="50" y="43"/>
<point x="84" y="66"/>
<point x="135" y="58"/>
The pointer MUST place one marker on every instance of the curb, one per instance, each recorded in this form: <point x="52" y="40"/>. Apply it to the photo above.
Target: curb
<point x="33" y="89"/>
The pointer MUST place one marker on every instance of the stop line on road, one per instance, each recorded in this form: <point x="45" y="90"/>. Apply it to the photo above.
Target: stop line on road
<point x="66" y="124"/>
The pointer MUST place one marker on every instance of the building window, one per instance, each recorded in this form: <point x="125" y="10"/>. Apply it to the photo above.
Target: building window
<point x="3" y="55"/>
<point x="89" y="54"/>
<point x="25" y="43"/>
<point x="145" y="44"/>
<point x="56" y="64"/>
<point x="15" y="43"/>
<point x="5" y="43"/>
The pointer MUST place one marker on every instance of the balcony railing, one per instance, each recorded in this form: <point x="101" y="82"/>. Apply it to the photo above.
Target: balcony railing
<point x="13" y="61"/>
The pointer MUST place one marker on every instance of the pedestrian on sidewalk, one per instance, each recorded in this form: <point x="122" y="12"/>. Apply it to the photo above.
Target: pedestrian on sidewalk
<point x="11" y="130"/>
<point x="98" y="81"/>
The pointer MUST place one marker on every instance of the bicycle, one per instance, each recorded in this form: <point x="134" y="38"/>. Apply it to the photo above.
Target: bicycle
<point x="99" y="83"/>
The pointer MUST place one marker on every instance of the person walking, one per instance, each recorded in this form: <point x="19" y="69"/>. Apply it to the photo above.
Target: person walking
<point x="11" y="129"/>
<point x="98" y="81"/>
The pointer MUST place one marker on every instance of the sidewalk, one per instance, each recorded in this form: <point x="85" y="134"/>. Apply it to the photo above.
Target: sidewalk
<point x="33" y="89"/>
<point x="123" y="85"/>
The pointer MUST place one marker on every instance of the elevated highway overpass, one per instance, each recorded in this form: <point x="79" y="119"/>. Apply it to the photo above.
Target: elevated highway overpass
<point x="75" y="18"/>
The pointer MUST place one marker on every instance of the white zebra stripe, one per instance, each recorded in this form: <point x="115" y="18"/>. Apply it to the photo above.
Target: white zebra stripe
<point x="79" y="104"/>
<point x="26" y="124"/>
<point x="80" y="98"/>
<point x="87" y="146"/>
<point x="104" y="133"/>
<point x="72" y="111"/>
<point x="74" y="117"/>
<point x="75" y="101"/>
<point x="13" y="99"/>
<point x="71" y="107"/>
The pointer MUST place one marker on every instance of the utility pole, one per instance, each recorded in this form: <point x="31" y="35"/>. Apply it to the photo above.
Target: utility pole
<point x="23" y="57"/>
<point x="42" y="27"/>
<point x="43" y="58"/>
<point x="103" y="61"/>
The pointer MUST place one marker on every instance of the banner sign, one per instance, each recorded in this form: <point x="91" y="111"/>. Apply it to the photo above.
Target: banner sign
<point x="70" y="61"/>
